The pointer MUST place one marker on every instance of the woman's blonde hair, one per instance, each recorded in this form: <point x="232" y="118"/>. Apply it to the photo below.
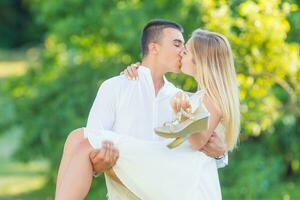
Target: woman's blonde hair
<point x="216" y="74"/>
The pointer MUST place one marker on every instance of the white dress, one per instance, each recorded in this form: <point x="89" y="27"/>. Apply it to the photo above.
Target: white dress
<point x="151" y="171"/>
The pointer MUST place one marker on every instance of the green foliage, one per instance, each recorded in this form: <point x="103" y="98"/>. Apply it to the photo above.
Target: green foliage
<point x="257" y="173"/>
<point x="258" y="32"/>
<point x="294" y="19"/>
<point x="268" y="71"/>
<point x="90" y="41"/>
<point x="16" y="24"/>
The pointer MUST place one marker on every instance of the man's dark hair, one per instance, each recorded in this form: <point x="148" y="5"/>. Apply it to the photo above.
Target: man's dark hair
<point x="153" y="31"/>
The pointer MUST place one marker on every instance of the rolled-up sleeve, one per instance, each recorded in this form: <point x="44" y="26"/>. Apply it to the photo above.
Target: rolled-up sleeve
<point x="223" y="161"/>
<point x="102" y="115"/>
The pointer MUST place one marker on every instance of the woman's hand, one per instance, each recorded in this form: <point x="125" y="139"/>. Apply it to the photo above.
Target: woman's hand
<point x="131" y="71"/>
<point x="181" y="100"/>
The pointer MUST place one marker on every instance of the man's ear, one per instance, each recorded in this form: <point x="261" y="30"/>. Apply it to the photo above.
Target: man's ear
<point x="153" y="48"/>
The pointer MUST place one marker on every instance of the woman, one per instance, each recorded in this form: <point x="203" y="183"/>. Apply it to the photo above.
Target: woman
<point x="209" y="60"/>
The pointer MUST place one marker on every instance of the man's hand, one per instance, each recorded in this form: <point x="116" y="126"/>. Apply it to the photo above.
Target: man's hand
<point x="214" y="147"/>
<point x="104" y="158"/>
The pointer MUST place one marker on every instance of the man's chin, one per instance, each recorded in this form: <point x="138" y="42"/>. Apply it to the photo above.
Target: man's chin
<point x="176" y="71"/>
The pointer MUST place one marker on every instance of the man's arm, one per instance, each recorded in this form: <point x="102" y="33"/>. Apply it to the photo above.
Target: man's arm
<point x="215" y="148"/>
<point x="105" y="158"/>
<point x="100" y="122"/>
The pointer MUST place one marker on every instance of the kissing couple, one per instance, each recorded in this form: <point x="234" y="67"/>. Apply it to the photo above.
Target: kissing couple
<point x="130" y="112"/>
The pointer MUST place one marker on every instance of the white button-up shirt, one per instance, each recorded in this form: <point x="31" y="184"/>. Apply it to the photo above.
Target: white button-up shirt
<point x="131" y="107"/>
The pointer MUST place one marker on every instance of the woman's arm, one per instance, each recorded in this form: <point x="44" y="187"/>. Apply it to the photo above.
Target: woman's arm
<point x="199" y="140"/>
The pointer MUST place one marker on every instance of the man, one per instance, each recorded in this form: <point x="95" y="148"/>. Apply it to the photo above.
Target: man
<point x="136" y="107"/>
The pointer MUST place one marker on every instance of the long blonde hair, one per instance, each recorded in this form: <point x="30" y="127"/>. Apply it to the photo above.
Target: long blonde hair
<point x="216" y="74"/>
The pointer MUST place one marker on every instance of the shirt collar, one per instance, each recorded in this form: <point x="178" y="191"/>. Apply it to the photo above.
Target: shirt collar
<point x="167" y="89"/>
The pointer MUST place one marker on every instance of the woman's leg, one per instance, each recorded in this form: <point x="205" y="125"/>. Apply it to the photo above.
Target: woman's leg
<point x="76" y="178"/>
<point x="73" y="140"/>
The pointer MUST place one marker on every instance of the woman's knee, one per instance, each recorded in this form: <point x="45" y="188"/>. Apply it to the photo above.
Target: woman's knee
<point x="74" y="139"/>
<point x="84" y="146"/>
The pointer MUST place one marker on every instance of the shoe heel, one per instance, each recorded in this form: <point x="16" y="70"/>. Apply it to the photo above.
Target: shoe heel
<point x="195" y="127"/>
<point x="178" y="141"/>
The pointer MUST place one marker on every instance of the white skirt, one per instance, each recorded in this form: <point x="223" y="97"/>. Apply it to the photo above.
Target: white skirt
<point x="151" y="171"/>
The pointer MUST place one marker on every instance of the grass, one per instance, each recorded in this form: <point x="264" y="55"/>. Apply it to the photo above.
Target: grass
<point x="15" y="62"/>
<point x="19" y="180"/>
<point x="9" y="68"/>
<point x="28" y="181"/>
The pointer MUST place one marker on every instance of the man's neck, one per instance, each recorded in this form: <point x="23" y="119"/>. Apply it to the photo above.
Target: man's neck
<point x="156" y="73"/>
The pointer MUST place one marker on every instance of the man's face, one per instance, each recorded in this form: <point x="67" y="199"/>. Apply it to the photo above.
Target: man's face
<point x="170" y="46"/>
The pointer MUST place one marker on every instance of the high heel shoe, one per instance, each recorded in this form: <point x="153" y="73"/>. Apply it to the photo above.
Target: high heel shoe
<point x="181" y="129"/>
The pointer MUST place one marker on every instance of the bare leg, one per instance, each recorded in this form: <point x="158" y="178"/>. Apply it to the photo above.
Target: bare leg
<point x="78" y="175"/>
<point x="72" y="142"/>
<point x="76" y="143"/>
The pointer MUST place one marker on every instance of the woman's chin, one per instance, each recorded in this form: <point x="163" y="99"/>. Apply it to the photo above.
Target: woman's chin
<point x="185" y="72"/>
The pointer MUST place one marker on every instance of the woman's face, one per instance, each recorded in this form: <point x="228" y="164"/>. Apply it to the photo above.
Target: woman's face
<point x="188" y="66"/>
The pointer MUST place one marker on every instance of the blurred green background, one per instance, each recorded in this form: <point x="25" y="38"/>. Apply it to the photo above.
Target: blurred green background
<point x="55" y="54"/>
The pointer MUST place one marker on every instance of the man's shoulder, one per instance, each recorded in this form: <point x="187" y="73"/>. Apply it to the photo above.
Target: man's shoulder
<point x="115" y="80"/>
<point x="115" y="83"/>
